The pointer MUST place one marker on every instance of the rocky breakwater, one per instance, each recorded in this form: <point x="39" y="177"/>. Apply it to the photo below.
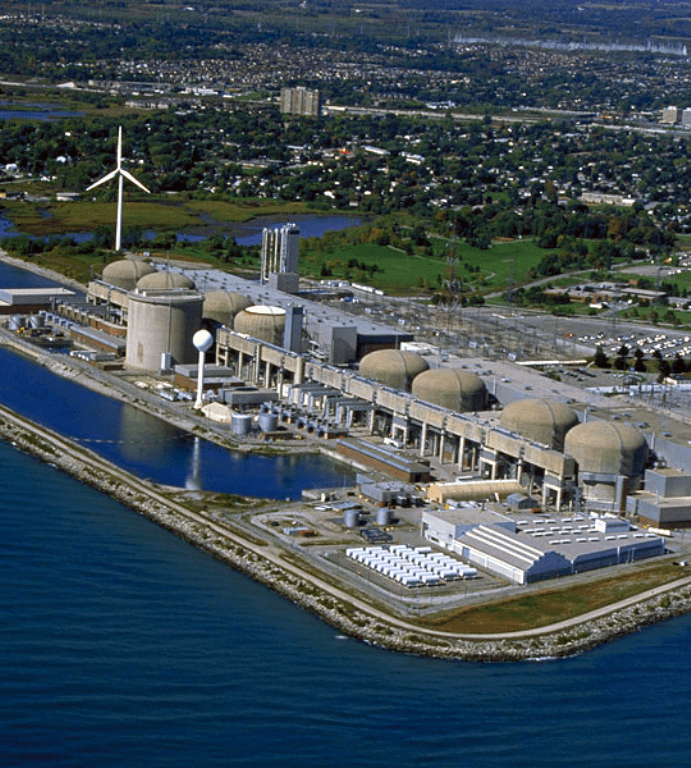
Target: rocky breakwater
<point x="343" y="611"/>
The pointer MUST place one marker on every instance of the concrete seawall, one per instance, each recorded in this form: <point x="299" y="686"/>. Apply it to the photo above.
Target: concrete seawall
<point x="343" y="611"/>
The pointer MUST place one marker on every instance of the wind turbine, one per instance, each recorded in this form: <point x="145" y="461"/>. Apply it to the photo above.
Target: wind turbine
<point x="121" y="173"/>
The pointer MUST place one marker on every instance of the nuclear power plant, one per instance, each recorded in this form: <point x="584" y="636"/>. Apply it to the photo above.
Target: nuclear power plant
<point x="461" y="430"/>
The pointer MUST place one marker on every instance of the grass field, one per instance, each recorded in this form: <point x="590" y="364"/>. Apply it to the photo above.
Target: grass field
<point x="490" y="270"/>
<point x="554" y="605"/>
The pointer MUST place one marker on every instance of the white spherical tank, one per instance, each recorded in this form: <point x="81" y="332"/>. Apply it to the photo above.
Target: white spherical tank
<point x="202" y="340"/>
<point x="162" y="321"/>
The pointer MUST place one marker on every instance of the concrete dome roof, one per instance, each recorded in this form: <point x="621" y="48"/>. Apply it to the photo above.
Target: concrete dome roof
<point x="608" y="447"/>
<point x="451" y="388"/>
<point x="545" y="421"/>
<point x="125" y="273"/>
<point x="164" y="280"/>
<point x="262" y="322"/>
<point x="392" y="367"/>
<point x="222" y="306"/>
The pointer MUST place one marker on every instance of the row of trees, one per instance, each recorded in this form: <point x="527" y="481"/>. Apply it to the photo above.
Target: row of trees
<point x="623" y="362"/>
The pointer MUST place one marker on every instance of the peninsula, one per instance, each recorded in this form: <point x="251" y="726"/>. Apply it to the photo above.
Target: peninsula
<point x="491" y="620"/>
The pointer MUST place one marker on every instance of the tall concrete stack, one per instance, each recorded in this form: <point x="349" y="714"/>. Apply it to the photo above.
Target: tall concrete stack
<point x="279" y="258"/>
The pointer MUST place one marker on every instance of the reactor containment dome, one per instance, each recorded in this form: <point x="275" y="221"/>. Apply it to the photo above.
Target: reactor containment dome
<point x="545" y="421"/>
<point x="392" y="367"/>
<point x="223" y="306"/>
<point x="451" y="388"/>
<point x="262" y="322"/>
<point x="607" y="447"/>
<point x="166" y="281"/>
<point x="126" y="273"/>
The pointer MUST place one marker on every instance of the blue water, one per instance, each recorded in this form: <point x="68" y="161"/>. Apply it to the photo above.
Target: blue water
<point x="40" y="112"/>
<point x="124" y="646"/>
<point x="150" y="447"/>
<point x="310" y="226"/>
<point x="245" y="234"/>
<point x="14" y="277"/>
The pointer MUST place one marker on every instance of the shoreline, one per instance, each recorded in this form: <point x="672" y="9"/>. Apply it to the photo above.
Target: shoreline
<point x="344" y="612"/>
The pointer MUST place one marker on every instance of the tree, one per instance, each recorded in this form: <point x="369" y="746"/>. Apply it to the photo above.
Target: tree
<point x="639" y="366"/>
<point x="601" y="360"/>
<point x="678" y="364"/>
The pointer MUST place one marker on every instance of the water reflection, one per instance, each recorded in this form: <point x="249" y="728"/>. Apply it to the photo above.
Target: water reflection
<point x="193" y="481"/>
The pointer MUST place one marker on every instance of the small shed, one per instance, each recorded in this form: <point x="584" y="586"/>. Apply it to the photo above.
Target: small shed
<point x="520" y="502"/>
<point x="218" y="412"/>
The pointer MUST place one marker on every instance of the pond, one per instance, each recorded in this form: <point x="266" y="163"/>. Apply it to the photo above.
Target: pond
<point x="12" y="110"/>
<point x="247" y="233"/>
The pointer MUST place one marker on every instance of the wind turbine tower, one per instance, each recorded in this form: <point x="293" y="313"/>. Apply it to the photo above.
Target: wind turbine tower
<point x="121" y="174"/>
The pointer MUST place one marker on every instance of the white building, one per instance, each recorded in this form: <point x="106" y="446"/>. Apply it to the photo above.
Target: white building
<point x="539" y="547"/>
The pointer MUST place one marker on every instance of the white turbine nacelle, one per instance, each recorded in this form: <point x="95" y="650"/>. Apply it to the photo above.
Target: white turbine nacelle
<point x="121" y="174"/>
<point x="202" y="341"/>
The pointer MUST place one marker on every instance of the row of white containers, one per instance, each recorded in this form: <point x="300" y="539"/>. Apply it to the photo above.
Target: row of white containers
<point x="412" y="566"/>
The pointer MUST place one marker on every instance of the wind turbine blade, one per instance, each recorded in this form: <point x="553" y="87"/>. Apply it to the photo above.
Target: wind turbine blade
<point x="119" y="146"/>
<point x="107" y="177"/>
<point x="131" y="178"/>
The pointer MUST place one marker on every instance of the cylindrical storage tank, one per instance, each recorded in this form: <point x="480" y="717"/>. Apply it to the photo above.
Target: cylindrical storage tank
<point x="162" y="321"/>
<point x="383" y="516"/>
<point x="545" y="421"/>
<point x="351" y="517"/>
<point x="17" y="322"/>
<point x="607" y="447"/>
<point x="451" y="388"/>
<point x="263" y="323"/>
<point x="222" y="306"/>
<point x="126" y="273"/>
<point x="37" y="321"/>
<point x="268" y="422"/>
<point x="392" y="367"/>
<point x="242" y="423"/>
<point x="164" y="280"/>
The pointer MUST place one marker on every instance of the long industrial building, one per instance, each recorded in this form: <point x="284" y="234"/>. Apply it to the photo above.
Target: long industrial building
<point x="524" y="551"/>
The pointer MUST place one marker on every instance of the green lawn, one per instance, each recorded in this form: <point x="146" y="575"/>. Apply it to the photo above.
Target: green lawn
<point x="503" y="263"/>
<point x="553" y="605"/>
<point x="499" y="266"/>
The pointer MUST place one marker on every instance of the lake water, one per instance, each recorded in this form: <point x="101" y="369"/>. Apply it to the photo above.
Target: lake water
<point x="122" y="645"/>
<point x="310" y="226"/>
